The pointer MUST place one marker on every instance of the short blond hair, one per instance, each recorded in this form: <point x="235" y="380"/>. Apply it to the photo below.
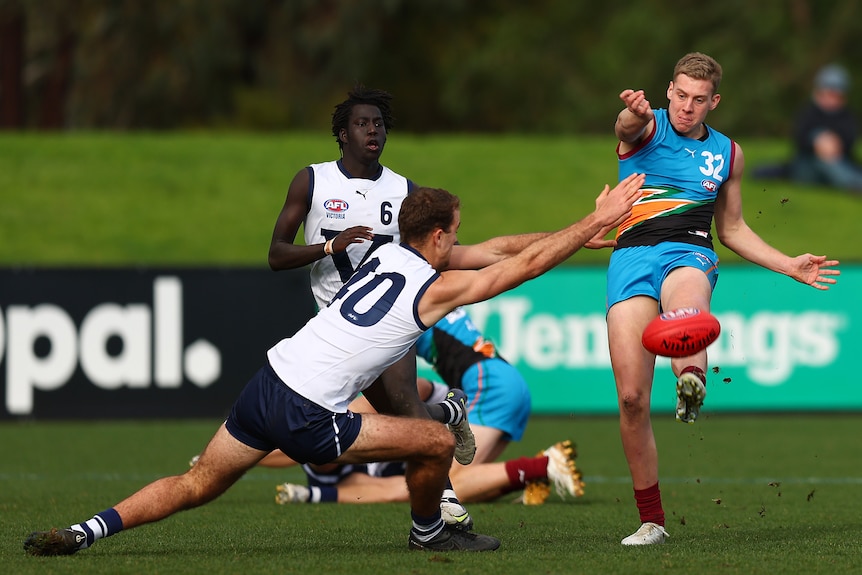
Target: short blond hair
<point x="699" y="66"/>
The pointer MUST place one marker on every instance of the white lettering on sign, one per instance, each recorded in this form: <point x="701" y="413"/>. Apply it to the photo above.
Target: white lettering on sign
<point x="150" y="338"/>
<point x="769" y="345"/>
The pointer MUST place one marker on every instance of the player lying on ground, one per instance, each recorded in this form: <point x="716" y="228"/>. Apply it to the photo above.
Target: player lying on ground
<point x="478" y="481"/>
<point x="384" y="482"/>
<point x="498" y="400"/>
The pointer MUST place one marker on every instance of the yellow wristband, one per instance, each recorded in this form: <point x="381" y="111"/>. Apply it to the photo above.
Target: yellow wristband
<point x="327" y="247"/>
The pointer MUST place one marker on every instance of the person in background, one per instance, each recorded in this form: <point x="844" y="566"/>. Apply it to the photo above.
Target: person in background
<point x="348" y="208"/>
<point x="824" y="135"/>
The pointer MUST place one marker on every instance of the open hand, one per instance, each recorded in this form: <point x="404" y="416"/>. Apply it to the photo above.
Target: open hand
<point x="614" y="206"/>
<point x="814" y="271"/>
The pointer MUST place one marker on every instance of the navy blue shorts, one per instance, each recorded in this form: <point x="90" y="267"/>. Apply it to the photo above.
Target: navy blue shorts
<point x="269" y="415"/>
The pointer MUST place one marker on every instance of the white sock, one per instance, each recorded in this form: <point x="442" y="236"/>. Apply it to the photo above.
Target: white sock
<point x="438" y="393"/>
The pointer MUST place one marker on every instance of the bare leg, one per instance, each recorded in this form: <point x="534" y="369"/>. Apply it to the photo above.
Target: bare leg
<point x="479" y="482"/>
<point x="687" y="287"/>
<point x="395" y="392"/>
<point x="633" y="371"/>
<point x="277" y="458"/>
<point x="482" y="480"/>
<point x="221" y="464"/>
<point x="363" y="488"/>
<point x="489" y="445"/>
<point x="425" y="445"/>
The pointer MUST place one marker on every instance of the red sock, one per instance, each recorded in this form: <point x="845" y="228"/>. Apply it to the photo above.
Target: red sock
<point x="695" y="370"/>
<point x="525" y="469"/>
<point x="649" y="505"/>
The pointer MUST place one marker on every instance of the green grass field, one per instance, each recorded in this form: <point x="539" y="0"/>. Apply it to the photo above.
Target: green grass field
<point x="743" y="495"/>
<point x="746" y="495"/>
<point x="212" y="198"/>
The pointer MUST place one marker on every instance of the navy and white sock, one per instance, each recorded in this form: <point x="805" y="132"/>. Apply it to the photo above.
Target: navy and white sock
<point x="453" y="407"/>
<point x="438" y="393"/>
<point x="426" y="528"/>
<point x="322" y="494"/>
<point x="102" y="524"/>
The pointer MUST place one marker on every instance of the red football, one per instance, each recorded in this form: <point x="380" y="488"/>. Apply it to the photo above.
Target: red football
<point x="681" y="332"/>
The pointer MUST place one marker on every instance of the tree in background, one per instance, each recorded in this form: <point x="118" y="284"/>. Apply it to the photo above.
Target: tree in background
<point x="549" y="66"/>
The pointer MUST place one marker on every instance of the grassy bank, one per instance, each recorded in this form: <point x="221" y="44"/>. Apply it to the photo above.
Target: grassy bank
<point x="212" y="199"/>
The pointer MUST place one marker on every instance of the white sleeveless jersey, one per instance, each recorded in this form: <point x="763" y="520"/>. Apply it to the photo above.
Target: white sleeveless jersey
<point x="370" y="324"/>
<point x="337" y="202"/>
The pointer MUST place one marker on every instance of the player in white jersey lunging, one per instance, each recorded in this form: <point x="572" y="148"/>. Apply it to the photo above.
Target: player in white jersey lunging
<point x="298" y="401"/>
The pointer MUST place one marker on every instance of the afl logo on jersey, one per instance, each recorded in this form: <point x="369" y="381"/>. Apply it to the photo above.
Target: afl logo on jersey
<point x="335" y="209"/>
<point x="335" y="205"/>
<point x="709" y="185"/>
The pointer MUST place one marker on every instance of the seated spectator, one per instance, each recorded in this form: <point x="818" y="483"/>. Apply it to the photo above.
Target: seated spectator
<point x="824" y="136"/>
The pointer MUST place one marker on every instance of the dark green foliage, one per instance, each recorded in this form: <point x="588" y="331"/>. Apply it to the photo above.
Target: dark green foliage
<point x="545" y="66"/>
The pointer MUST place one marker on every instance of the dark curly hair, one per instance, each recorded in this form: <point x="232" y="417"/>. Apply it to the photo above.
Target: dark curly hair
<point x="361" y="95"/>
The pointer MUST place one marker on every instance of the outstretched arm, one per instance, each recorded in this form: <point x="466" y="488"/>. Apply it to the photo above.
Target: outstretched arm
<point x="483" y="254"/>
<point x="734" y="233"/>
<point x="478" y="256"/>
<point x="460" y="287"/>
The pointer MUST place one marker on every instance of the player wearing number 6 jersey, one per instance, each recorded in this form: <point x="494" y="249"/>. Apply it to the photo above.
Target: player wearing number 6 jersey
<point x="348" y="208"/>
<point x="338" y="201"/>
<point x="372" y="321"/>
<point x="664" y="258"/>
